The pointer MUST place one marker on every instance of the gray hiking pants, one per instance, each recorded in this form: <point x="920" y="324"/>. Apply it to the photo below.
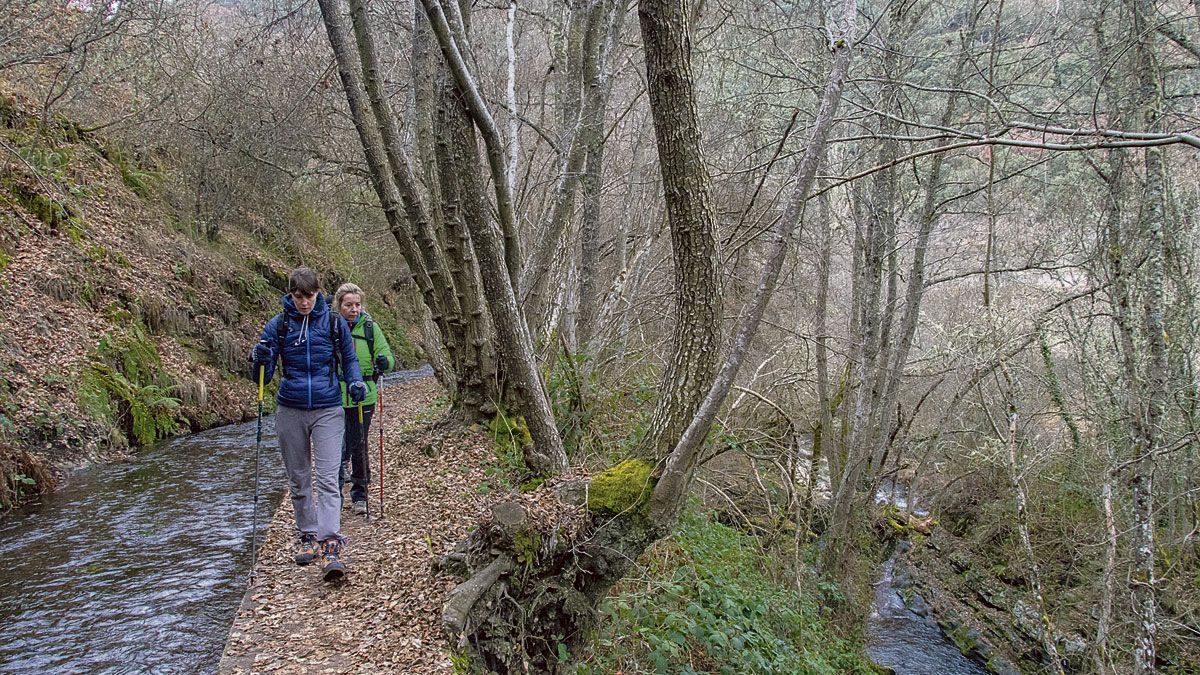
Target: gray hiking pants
<point x="308" y="437"/>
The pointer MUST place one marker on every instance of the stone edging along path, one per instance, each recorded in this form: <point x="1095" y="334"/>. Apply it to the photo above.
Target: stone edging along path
<point x="386" y="617"/>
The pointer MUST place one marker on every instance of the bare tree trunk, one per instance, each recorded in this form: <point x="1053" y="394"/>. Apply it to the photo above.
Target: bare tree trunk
<point x="822" y="434"/>
<point x="381" y="177"/>
<point x="1035" y="578"/>
<point x="463" y="201"/>
<point x="1145" y="355"/>
<point x="593" y="171"/>
<point x="671" y="492"/>
<point x="465" y="330"/>
<point x="514" y="122"/>
<point x="452" y="52"/>
<point x="587" y="68"/>
<point x="1103" y="661"/>
<point x="498" y="270"/>
<point x="667" y="36"/>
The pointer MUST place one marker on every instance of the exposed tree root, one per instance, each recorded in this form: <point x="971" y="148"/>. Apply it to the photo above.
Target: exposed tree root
<point x="531" y="585"/>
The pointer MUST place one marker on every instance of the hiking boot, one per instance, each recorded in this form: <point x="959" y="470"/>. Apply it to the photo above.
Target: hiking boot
<point x="306" y="550"/>
<point x="360" y="507"/>
<point x="332" y="569"/>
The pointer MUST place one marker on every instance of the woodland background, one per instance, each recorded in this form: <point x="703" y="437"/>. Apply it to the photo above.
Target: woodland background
<point x="987" y="301"/>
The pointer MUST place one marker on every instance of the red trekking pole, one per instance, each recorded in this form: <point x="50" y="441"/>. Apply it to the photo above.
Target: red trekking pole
<point x="379" y="424"/>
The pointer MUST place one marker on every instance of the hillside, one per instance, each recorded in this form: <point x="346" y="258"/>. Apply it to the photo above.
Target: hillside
<point x="121" y="322"/>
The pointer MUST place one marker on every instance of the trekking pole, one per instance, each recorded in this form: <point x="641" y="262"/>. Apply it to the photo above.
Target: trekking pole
<point x="379" y="424"/>
<point x="257" y="451"/>
<point x="366" y="456"/>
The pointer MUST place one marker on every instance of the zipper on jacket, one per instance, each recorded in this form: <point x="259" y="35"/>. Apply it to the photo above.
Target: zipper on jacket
<point x="308" y="373"/>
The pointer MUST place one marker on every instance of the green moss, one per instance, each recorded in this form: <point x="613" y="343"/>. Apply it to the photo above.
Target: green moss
<point x="532" y="484"/>
<point x="5" y="261"/>
<point x="526" y="544"/>
<point x="623" y="488"/>
<point x="963" y="639"/>
<point x="510" y="434"/>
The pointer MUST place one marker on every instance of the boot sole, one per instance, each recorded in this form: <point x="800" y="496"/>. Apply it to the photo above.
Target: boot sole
<point x="334" y="572"/>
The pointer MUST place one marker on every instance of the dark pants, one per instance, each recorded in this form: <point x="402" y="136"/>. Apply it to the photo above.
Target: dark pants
<point x="354" y="448"/>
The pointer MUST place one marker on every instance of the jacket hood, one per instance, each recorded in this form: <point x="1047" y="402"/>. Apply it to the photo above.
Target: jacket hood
<point x="320" y="307"/>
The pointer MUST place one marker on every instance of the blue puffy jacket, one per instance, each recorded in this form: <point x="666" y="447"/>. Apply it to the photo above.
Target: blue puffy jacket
<point x="310" y="371"/>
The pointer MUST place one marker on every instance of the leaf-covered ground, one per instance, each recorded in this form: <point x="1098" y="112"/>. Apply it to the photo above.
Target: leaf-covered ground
<point x="386" y="616"/>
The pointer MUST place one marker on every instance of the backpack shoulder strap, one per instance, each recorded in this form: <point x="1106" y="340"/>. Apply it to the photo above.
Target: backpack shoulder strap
<point x="369" y="335"/>
<point x="335" y="338"/>
<point x="280" y="334"/>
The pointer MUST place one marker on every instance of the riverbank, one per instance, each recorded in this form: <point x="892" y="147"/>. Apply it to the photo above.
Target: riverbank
<point x="386" y="616"/>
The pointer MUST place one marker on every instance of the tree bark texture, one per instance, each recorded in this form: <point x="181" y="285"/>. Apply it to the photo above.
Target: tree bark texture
<point x="666" y="35"/>
<point x="671" y="492"/>
<point x="586" y="94"/>
<point x="545" y="455"/>
<point x="457" y="294"/>
<point x="493" y="144"/>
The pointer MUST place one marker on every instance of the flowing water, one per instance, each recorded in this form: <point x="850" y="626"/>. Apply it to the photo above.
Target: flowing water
<point x="908" y="643"/>
<point x="139" y="567"/>
<point x="898" y="637"/>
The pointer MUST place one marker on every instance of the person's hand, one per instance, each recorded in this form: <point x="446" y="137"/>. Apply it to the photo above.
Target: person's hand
<point x="357" y="391"/>
<point x="261" y="355"/>
<point x="381" y="364"/>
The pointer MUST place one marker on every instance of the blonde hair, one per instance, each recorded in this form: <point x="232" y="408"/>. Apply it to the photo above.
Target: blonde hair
<point x="344" y="290"/>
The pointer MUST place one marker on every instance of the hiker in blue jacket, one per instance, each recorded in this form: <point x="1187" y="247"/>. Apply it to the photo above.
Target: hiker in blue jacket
<point x="313" y="345"/>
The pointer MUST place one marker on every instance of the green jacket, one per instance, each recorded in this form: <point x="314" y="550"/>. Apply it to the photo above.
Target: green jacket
<point x="359" y="333"/>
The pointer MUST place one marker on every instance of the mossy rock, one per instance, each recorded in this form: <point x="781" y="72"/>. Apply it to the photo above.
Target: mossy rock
<point x="624" y="488"/>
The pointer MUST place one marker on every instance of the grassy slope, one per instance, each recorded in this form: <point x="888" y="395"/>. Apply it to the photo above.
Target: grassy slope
<point x="117" y="324"/>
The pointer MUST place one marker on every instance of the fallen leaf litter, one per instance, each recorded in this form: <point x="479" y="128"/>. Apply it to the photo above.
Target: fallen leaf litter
<point x="385" y="618"/>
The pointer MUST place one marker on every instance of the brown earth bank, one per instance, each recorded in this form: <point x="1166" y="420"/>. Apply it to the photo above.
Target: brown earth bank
<point x="121" y="322"/>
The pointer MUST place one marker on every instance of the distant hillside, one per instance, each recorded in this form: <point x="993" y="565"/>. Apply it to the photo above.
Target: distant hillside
<point x="120" y="324"/>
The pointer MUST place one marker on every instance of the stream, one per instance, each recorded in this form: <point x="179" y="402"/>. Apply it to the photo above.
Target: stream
<point x="899" y="638"/>
<point x="908" y="643"/>
<point x="139" y="567"/>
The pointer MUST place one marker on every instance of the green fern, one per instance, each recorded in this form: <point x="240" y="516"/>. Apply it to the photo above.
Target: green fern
<point x="124" y="384"/>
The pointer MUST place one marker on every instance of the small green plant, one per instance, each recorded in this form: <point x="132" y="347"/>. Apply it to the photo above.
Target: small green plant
<point x="144" y="181"/>
<point x="568" y="382"/>
<point x="509" y="435"/>
<point x="20" y="486"/>
<point x="124" y="385"/>
<point x="184" y="272"/>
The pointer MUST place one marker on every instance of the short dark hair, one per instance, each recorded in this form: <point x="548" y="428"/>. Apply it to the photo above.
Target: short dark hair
<point x="303" y="279"/>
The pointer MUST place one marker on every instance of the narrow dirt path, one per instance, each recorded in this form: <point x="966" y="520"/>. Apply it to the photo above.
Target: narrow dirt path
<point x="386" y="616"/>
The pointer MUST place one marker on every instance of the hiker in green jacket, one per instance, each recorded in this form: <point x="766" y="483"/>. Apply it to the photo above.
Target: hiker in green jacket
<point x="375" y="358"/>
